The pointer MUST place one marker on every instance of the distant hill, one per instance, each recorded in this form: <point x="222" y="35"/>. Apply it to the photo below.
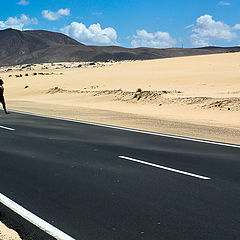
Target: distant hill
<point x="21" y="47"/>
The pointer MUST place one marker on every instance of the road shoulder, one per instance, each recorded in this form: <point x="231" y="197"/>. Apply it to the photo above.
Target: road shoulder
<point x="136" y="121"/>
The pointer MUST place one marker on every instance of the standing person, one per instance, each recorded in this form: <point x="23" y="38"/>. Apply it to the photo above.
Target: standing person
<point x="2" y="100"/>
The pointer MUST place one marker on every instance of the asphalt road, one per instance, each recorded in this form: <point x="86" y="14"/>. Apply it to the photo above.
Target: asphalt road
<point x="70" y="174"/>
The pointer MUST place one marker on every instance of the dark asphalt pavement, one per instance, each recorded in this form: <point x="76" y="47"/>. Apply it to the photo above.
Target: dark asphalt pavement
<point x="70" y="175"/>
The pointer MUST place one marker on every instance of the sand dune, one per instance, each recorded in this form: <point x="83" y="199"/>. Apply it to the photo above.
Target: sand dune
<point x="199" y="90"/>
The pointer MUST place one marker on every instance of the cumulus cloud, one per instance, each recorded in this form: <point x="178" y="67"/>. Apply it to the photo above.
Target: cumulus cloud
<point x="222" y="3"/>
<point x="207" y="29"/>
<point x="18" y="22"/>
<point x="23" y="2"/>
<point x="236" y="27"/>
<point x="94" y="34"/>
<point x="155" y="40"/>
<point x="52" y="16"/>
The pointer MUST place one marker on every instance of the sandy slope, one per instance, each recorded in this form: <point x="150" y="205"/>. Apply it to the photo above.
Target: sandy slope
<point x="201" y="90"/>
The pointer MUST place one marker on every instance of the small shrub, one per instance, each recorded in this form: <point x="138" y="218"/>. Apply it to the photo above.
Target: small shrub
<point x="139" y="90"/>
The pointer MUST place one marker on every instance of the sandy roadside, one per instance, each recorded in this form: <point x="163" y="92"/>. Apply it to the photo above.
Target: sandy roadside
<point x="135" y="121"/>
<point x="8" y="234"/>
<point x="198" y="92"/>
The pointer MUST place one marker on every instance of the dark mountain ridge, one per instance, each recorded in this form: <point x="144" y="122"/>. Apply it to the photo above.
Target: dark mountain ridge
<point x="38" y="46"/>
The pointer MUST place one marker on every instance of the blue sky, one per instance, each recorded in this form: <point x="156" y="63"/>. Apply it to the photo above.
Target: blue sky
<point x="130" y="23"/>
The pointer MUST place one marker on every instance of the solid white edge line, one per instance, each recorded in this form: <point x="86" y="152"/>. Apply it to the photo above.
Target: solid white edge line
<point x="165" y="168"/>
<point x="43" y="225"/>
<point x="7" y="128"/>
<point x="131" y="130"/>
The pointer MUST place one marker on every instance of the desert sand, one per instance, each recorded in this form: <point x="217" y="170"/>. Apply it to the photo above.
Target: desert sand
<point x="197" y="96"/>
<point x="189" y="96"/>
<point x="7" y="234"/>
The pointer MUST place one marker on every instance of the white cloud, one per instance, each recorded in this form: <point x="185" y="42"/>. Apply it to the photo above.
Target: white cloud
<point x="189" y="26"/>
<point x="92" y="35"/>
<point x="155" y="40"/>
<point x="55" y="15"/>
<point x="207" y="29"/>
<point x="23" y="2"/>
<point x="222" y="3"/>
<point x="236" y="27"/>
<point x="18" y="22"/>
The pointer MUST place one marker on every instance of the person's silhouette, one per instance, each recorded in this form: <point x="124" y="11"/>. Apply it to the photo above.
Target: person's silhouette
<point x="2" y="100"/>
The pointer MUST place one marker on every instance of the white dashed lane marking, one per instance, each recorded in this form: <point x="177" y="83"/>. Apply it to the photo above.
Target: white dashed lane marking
<point x="7" y="128"/>
<point x="165" y="168"/>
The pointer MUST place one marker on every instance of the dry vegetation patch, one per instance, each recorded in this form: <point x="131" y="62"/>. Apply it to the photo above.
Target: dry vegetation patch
<point x="157" y="97"/>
